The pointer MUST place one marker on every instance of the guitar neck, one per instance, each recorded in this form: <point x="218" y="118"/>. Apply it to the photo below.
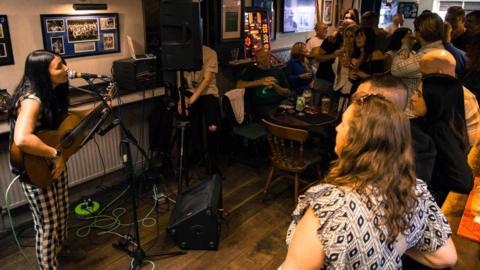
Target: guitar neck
<point x="87" y="122"/>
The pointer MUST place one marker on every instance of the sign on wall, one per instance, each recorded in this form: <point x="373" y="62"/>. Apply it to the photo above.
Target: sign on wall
<point x="81" y="35"/>
<point x="6" y="53"/>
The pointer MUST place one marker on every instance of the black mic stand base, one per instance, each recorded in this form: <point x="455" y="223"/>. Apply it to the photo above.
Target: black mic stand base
<point x="139" y="256"/>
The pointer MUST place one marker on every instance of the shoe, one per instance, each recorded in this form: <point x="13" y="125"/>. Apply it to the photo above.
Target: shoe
<point x="70" y="254"/>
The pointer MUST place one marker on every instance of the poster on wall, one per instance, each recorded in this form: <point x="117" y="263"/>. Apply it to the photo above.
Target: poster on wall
<point x="231" y="15"/>
<point x="408" y="9"/>
<point x="81" y="35"/>
<point x="327" y="12"/>
<point x="6" y="52"/>
<point x="299" y="15"/>
<point x="388" y="8"/>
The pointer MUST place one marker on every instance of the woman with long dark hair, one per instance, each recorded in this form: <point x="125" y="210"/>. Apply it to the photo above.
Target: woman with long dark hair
<point x="439" y="100"/>
<point x="371" y="209"/>
<point x="40" y="102"/>
<point x="366" y="59"/>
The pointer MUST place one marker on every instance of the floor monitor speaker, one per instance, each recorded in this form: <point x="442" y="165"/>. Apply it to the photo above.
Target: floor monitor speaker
<point x="180" y="35"/>
<point x="194" y="223"/>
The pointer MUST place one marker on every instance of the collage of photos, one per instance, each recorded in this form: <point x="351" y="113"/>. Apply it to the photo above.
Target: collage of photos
<point x="73" y="35"/>
<point x="6" y="55"/>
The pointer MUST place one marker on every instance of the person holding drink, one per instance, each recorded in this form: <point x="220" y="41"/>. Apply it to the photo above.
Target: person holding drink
<point x="266" y="85"/>
<point x="366" y="59"/>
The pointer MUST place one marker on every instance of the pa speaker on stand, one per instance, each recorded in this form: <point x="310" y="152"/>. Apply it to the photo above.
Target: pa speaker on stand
<point x="180" y="34"/>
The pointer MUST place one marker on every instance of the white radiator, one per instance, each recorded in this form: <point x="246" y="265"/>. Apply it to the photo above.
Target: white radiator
<point x="84" y="165"/>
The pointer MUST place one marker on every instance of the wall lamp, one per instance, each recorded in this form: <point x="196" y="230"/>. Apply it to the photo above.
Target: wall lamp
<point x="90" y="6"/>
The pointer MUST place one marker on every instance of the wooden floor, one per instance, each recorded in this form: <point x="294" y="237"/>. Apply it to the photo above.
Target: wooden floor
<point x="252" y="236"/>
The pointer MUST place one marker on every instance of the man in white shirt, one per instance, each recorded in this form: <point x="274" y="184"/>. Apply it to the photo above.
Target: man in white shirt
<point x="315" y="42"/>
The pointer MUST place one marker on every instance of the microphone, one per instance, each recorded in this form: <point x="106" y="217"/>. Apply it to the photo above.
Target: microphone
<point x="72" y="74"/>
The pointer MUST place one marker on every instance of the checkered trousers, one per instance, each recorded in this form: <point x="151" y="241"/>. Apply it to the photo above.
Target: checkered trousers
<point x="49" y="208"/>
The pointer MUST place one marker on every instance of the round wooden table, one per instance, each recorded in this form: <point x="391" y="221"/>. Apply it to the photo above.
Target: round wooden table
<point x="306" y="121"/>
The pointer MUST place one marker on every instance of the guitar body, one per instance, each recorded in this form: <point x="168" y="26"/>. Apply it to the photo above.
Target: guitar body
<point x="38" y="169"/>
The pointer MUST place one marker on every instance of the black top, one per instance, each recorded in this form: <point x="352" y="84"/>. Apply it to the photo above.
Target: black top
<point x="424" y="151"/>
<point x="461" y="41"/>
<point x="50" y="120"/>
<point x="451" y="171"/>
<point x="325" y="70"/>
<point x="370" y="67"/>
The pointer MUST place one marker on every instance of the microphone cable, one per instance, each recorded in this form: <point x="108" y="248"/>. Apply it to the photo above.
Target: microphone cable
<point x="10" y="219"/>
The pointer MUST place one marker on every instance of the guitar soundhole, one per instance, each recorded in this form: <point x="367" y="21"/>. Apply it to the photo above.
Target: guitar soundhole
<point x="67" y="140"/>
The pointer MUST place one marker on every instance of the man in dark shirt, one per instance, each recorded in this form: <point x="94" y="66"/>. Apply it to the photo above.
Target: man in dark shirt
<point x="472" y="24"/>
<point x="460" y="58"/>
<point x="395" y="90"/>
<point x="269" y="85"/>
<point x="325" y="55"/>
<point x="456" y="18"/>
<point x="370" y="19"/>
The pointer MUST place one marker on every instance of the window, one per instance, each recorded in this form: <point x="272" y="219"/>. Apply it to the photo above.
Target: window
<point x="440" y="6"/>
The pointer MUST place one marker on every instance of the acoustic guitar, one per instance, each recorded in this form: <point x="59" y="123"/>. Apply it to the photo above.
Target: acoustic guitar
<point x="69" y="138"/>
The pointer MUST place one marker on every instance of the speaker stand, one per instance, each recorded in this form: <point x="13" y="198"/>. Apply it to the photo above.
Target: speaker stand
<point x="182" y="125"/>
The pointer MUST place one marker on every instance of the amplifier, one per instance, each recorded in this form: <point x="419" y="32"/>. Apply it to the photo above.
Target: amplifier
<point x="136" y="74"/>
<point x="194" y="223"/>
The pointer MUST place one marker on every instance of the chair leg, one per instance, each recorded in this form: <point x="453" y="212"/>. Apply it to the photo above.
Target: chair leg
<point x="295" y="189"/>
<point x="269" y="180"/>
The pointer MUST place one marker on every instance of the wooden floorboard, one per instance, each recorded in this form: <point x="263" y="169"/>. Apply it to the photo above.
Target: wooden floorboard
<point x="252" y="233"/>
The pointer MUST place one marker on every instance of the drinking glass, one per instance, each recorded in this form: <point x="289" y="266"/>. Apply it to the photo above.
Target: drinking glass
<point x="234" y="54"/>
<point x="307" y="95"/>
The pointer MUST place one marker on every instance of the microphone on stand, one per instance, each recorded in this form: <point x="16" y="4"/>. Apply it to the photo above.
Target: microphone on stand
<point x="72" y="74"/>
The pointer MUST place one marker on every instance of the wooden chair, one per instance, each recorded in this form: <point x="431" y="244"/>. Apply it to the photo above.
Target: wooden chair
<point x="288" y="154"/>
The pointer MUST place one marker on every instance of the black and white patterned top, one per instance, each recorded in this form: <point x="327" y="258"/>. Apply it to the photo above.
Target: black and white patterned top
<point x="350" y="237"/>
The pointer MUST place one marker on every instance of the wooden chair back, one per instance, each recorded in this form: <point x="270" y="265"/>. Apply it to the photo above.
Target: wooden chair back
<point x="286" y="146"/>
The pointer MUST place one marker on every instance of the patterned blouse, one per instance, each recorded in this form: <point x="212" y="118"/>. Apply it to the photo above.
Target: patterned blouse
<point x="350" y="237"/>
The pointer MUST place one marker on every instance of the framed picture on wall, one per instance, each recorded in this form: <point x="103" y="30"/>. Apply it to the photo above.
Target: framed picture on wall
<point x="81" y="35"/>
<point x="327" y="11"/>
<point x="408" y="9"/>
<point x="231" y="12"/>
<point x="299" y="15"/>
<point x="6" y="53"/>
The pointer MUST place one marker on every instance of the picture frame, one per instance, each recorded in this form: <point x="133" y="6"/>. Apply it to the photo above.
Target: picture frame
<point x="6" y="52"/>
<point x="327" y="12"/>
<point x="408" y="9"/>
<point x="77" y="35"/>
<point x="231" y="20"/>
<point x="58" y="45"/>
<point x="299" y="16"/>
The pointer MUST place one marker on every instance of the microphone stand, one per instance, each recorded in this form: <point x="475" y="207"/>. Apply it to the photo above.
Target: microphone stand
<point x="127" y="139"/>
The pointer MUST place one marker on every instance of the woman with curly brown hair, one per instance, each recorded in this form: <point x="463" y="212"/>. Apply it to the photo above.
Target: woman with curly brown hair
<point x="371" y="209"/>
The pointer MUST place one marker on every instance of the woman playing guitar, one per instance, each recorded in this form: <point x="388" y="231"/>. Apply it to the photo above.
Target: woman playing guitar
<point x="40" y="102"/>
